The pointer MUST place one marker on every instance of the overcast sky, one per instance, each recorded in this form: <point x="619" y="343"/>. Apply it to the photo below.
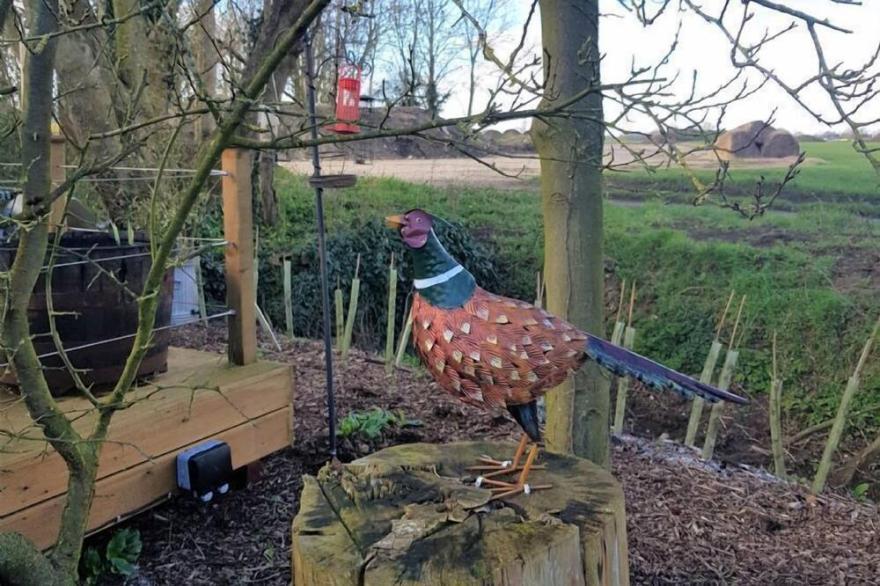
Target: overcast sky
<point x="703" y="49"/>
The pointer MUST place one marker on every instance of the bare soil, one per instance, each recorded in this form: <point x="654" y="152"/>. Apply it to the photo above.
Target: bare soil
<point x="689" y="522"/>
<point x="511" y="172"/>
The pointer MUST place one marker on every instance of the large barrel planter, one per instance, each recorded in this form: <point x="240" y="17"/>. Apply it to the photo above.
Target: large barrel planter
<point x="93" y="308"/>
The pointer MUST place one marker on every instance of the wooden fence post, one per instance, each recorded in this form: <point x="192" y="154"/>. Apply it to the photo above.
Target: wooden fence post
<point x="58" y="174"/>
<point x="238" y="227"/>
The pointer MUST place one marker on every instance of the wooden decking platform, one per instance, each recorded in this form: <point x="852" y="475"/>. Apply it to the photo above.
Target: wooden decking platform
<point x="200" y="397"/>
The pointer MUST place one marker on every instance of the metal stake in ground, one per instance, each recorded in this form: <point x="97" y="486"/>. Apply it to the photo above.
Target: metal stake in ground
<point x="322" y="249"/>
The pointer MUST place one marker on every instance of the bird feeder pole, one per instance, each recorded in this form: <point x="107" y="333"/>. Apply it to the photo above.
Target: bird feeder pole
<point x="322" y="248"/>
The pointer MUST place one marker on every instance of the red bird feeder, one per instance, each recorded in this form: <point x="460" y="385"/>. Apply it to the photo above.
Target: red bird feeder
<point x="348" y="98"/>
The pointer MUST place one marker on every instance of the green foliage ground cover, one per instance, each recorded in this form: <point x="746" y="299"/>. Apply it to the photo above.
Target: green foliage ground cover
<point x="685" y="259"/>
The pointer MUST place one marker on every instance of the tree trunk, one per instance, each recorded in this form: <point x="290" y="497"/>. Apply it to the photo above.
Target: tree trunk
<point x="91" y="100"/>
<point x="277" y="17"/>
<point x="266" y="177"/>
<point x="19" y="558"/>
<point x="206" y="62"/>
<point x="571" y="190"/>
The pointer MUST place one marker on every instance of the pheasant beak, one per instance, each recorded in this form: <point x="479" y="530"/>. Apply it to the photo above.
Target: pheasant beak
<point x="395" y="222"/>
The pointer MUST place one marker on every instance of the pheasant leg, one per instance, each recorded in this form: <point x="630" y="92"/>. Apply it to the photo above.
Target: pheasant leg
<point x="502" y="489"/>
<point x="490" y="468"/>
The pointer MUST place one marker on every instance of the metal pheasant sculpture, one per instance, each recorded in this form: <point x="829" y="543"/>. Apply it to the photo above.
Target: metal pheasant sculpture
<point x="492" y="351"/>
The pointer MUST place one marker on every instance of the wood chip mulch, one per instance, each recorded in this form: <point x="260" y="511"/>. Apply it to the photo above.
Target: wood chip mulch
<point x="689" y="522"/>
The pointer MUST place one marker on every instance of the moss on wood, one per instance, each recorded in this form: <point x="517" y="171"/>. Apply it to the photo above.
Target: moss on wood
<point x="410" y="515"/>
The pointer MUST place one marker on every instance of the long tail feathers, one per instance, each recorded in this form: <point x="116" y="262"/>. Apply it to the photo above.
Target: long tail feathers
<point x="623" y="362"/>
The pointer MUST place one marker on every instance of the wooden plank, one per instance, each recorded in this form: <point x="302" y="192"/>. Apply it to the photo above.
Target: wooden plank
<point x="186" y="369"/>
<point x="129" y="491"/>
<point x="238" y="227"/>
<point x="169" y="418"/>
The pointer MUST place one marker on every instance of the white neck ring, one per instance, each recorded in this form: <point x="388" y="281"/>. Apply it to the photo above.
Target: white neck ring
<point x="437" y="279"/>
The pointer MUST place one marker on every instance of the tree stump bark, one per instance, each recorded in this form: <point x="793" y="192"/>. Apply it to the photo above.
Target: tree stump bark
<point x="412" y="515"/>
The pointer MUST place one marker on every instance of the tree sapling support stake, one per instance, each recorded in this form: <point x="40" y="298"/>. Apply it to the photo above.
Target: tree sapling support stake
<point x="288" y="302"/>
<point x="776" y="418"/>
<point x="629" y="340"/>
<point x="389" y="332"/>
<point x="352" y="310"/>
<point x="706" y="378"/>
<point x="340" y="315"/>
<point x="840" y="420"/>
<point x="404" y="338"/>
<point x="619" y="324"/>
<point x="723" y="384"/>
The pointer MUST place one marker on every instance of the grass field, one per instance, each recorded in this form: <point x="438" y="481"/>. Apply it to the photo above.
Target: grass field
<point x="833" y="172"/>
<point x="812" y="276"/>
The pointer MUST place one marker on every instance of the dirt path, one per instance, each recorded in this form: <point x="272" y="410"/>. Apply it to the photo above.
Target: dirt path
<point x="688" y="522"/>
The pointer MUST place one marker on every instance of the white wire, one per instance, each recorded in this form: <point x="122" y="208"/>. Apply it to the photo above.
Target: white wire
<point x="89" y="260"/>
<point x="127" y="336"/>
<point x="214" y="172"/>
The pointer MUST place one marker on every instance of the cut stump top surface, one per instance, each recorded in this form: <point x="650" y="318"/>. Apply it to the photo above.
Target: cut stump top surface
<point x="411" y="515"/>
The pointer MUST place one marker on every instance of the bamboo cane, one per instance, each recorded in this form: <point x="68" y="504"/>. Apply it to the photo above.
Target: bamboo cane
<point x="706" y="377"/>
<point x="352" y="310"/>
<point x="776" y="418"/>
<point x="288" y="302"/>
<point x="392" y="302"/>
<point x="842" y="412"/>
<point x="629" y="338"/>
<point x="723" y="384"/>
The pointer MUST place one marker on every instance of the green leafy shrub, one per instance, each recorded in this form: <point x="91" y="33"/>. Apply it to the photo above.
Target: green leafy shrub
<point x="375" y="244"/>
<point x="119" y="558"/>
<point x="683" y="281"/>
<point x="371" y="424"/>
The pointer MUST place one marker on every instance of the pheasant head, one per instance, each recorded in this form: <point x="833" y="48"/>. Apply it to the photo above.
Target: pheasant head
<point x="438" y="277"/>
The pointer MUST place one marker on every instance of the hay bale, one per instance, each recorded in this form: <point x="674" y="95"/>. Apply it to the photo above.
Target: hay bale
<point x="491" y="136"/>
<point x="737" y="144"/>
<point x="779" y="144"/>
<point x="743" y="142"/>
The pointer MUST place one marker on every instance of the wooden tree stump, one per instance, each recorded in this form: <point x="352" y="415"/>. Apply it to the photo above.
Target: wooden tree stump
<point x="412" y="515"/>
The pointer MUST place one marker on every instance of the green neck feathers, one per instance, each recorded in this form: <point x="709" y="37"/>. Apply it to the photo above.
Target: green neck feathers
<point x="438" y="277"/>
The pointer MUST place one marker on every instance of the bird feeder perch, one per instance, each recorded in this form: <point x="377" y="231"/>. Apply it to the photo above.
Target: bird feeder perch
<point x="348" y="98"/>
